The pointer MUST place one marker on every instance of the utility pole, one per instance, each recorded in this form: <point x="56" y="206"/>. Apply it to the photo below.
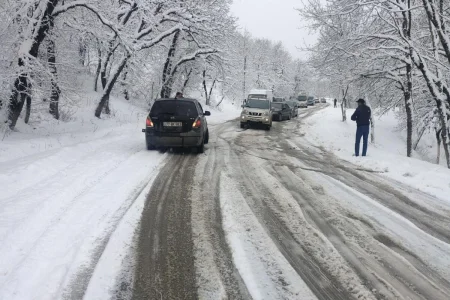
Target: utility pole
<point x="245" y="75"/>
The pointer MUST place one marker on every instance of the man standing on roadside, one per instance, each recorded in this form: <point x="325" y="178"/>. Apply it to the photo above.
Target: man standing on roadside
<point x="335" y="103"/>
<point x="362" y="116"/>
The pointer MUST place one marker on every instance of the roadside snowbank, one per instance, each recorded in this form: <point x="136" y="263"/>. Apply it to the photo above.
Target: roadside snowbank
<point x="225" y="112"/>
<point x="386" y="156"/>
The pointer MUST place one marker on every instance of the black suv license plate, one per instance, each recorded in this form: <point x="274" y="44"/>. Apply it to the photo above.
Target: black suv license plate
<point x="172" y="124"/>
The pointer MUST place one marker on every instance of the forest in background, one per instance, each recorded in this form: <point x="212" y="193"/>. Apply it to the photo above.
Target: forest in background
<point x="138" y="49"/>
<point x="394" y="53"/>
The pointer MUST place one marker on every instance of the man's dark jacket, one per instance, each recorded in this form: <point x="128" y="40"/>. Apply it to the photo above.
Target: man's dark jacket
<point x="362" y="115"/>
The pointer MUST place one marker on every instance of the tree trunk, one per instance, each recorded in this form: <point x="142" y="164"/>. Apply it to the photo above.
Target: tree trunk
<point x="406" y="26"/>
<point x="99" y="68"/>
<point x="125" y="91"/>
<point x="416" y="144"/>
<point x="204" y="86"/>
<point x="82" y="52"/>
<point x="27" y="109"/>
<point x="244" y="96"/>
<point x="444" y="132"/>
<point x="17" y="99"/>
<point x="167" y="78"/>
<point x="372" y="130"/>
<point x="344" y="104"/>
<point x="438" y="139"/>
<point x="21" y="83"/>
<point x="408" y="108"/>
<point x="106" y="108"/>
<point x="55" y="90"/>
<point x="104" y="101"/>
<point x="186" y="80"/>
<point x="210" y="92"/>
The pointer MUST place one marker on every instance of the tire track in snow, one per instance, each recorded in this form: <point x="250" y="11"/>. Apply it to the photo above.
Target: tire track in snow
<point x="217" y="276"/>
<point x="165" y="261"/>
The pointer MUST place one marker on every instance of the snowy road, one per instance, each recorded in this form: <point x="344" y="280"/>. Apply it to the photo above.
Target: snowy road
<point x="266" y="215"/>
<point x="60" y="207"/>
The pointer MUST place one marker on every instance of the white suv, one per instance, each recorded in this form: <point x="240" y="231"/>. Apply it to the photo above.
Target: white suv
<point x="256" y="111"/>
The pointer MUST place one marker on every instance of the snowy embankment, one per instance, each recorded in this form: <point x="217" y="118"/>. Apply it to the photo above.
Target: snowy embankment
<point x="385" y="156"/>
<point x="71" y="196"/>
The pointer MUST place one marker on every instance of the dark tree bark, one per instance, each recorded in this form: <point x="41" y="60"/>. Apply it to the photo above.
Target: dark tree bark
<point x="21" y="83"/>
<point x="104" y="101"/>
<point x="204" y="85"/>
<point x="438" y="140"/>
<point x="416" y="144"/>
<point x="167" y="78"/>
<point x="186" y="80"/>
<point x="208" y="94"/>
<point x="344" y="104"/>
<point x="407" y="90"/>
<point x="409" y="125"/>
<point x="125" y="91"/>
<point x="99" y="67"/>
<point x="109" y="86"/>
<point x="27" y="108"/>
<point x="17" y="99"/>
<point x="82" y="52"/>
<point x="55" y="90"/>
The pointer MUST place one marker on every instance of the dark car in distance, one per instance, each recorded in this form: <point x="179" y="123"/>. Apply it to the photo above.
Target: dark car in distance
<point x="311" y="101"/>
<point x="293" y="104"/>
<point x="281" y="111"/>
<point x="177" y="123"/>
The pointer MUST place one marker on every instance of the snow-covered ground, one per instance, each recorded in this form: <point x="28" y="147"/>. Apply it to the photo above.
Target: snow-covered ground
<point x="387" y="155"/>
<point x="72" y="193"/>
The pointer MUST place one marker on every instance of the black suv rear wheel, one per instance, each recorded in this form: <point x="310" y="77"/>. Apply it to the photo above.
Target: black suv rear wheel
<point x="201" y="148"/>
<point x="207" y="137"/>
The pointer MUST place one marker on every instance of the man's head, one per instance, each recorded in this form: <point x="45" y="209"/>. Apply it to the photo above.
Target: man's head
<point x="179" y="95"/>
<point x="361" y="102"/>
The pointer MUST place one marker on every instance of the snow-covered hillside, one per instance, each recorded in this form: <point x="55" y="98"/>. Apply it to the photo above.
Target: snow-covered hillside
<point x="386" y="155"/>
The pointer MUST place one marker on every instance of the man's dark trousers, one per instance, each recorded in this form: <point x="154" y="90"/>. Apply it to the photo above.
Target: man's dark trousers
<point x="362" y="132"/>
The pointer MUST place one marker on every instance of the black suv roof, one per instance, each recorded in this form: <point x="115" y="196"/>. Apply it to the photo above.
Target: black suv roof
<point x="173" y="99"/>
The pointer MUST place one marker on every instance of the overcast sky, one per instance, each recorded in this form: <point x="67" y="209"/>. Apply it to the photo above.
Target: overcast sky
<point x="276" y="20"/>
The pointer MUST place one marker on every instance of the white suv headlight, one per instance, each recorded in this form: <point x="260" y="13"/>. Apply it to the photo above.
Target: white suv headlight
<point x="245" y="112"/>
<point x="266" y="113"/>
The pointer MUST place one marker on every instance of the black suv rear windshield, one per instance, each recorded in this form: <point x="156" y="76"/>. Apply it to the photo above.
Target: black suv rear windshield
<point x="174" y="108"/>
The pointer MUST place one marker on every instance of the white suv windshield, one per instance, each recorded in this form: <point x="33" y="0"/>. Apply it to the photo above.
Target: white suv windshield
<point x="262" y="104"/>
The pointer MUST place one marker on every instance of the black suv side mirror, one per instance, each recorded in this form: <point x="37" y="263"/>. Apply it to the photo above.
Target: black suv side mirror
<point x="207" y="113"/>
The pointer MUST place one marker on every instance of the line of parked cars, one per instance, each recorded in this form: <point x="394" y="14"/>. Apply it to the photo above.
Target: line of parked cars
<point x="181" y="123"/>
<point x="261" y="108"/>
<point x="306" y="100"/>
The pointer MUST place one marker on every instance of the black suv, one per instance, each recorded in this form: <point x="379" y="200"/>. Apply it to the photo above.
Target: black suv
<point x="177" y="123"/>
